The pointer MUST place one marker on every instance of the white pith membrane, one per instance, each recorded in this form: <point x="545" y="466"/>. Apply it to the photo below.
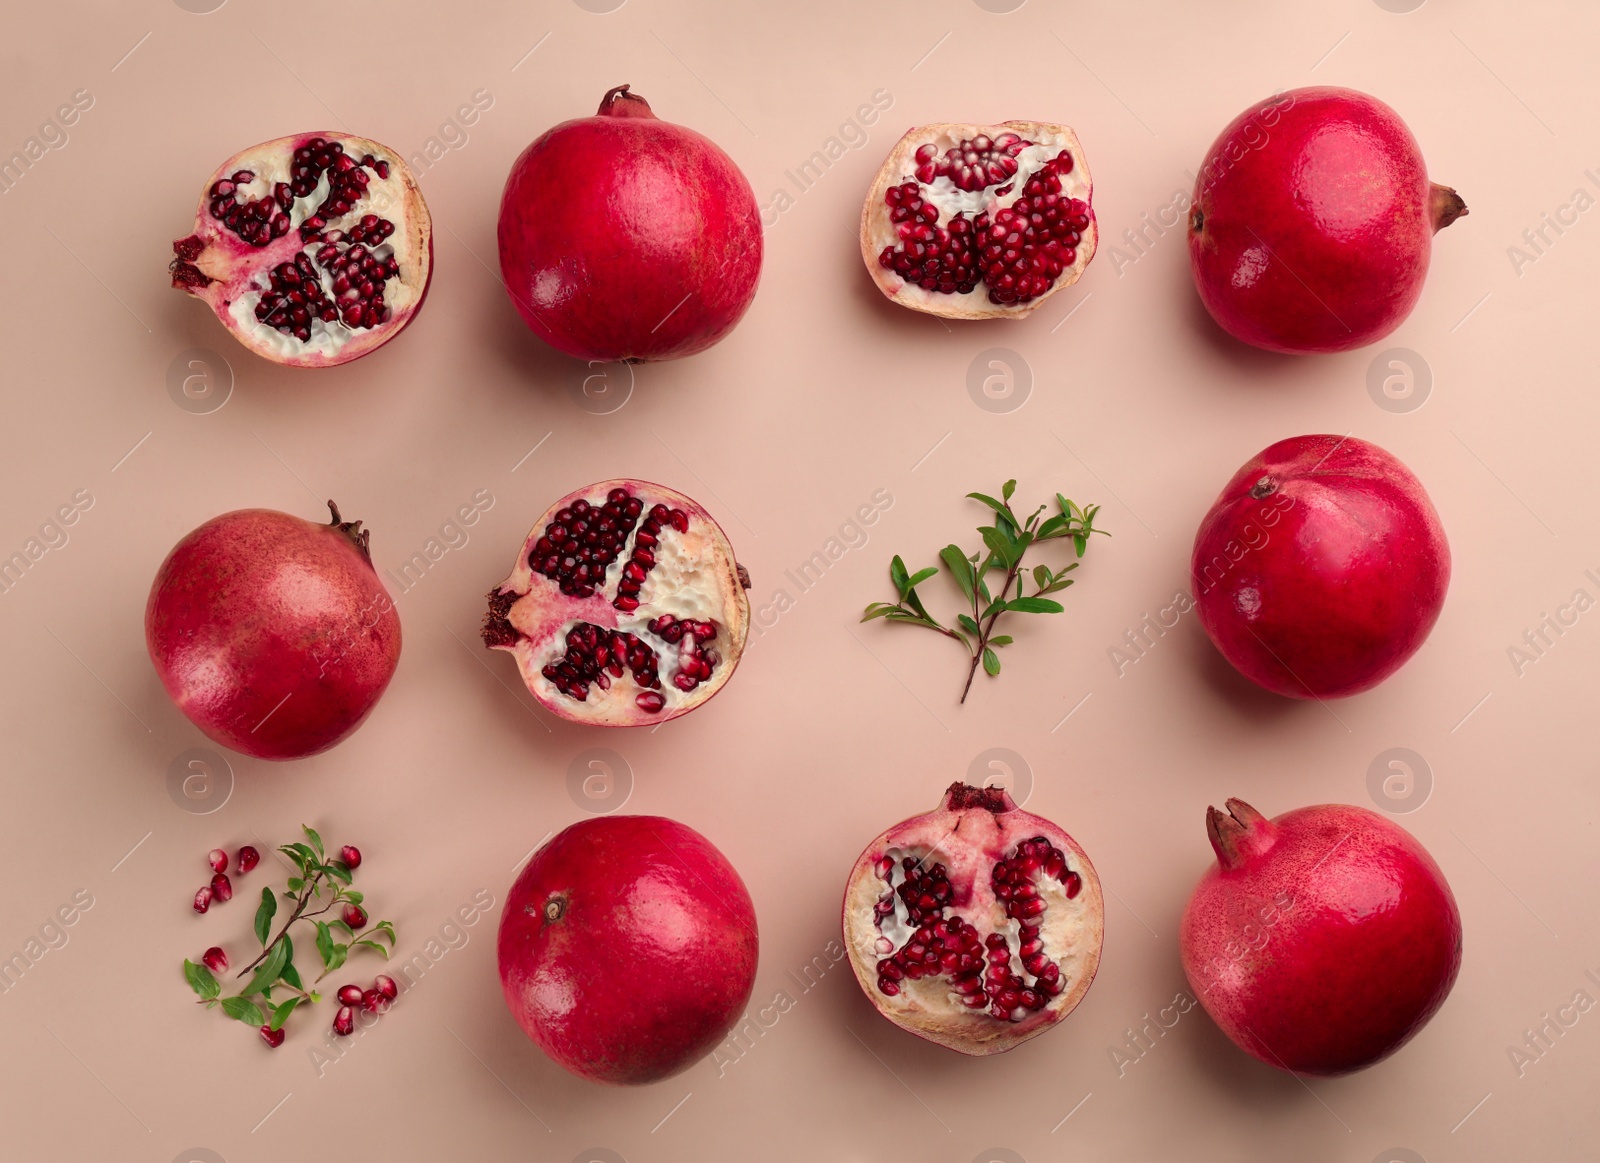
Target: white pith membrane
<point x="694" y="579"/>
<point x="879" y="230"/>
<point x="968" y="841"/>
<point x="388" y="220"/>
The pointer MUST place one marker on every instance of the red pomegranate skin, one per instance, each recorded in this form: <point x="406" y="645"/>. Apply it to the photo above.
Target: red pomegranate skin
<point x="626" y="237"/>
<point x="1321" y="568"/>
<point x="1313" y="220"/>
<point x="272" y="634"/>
<point x="1322" y="940"/>
<point x="627" y="948"/>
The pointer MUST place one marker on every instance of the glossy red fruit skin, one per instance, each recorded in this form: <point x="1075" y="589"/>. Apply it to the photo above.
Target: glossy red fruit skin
<point x="1312" y="222"/>
<point x="1321" y="567"/>
<point x="273" y="1038"/>
<point x="272" y="634"/>
<point x="626" y="237"/>
<point x="1323" y="940"/>
<point x="627" y="948"/>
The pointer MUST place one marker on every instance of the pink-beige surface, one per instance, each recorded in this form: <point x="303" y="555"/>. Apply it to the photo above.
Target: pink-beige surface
<point x="829" y="431"/>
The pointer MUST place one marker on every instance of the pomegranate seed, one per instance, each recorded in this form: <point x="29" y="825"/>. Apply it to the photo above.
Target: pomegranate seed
<point x="202" y="900"/>
<point x="248" y="859"/>
<point x="218" y="859"/>
<point x="349" y="995"/>
<point x="386" y="987"/>
<point x="344" y="1022"/>
<point x="351" y="856"/>
<point x="271" y="1037"/>
<point x="651" y="701"/>
<point x="215" y="959"/>
<point x="354" y="916"/>
<point x="372" y="1001"/>
<point x="221" y="888"/>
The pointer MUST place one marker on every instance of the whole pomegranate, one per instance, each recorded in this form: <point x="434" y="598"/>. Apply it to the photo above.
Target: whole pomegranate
<point x="627" y="948"/>
<point x="1323" y="939"/>
<point x="625" y="606"/>
<point x="980" y="221"/>
<point x="273" y="634"/>
<point x="977" y="926"/>
<point x="626" y="237"/>
<point x="1313" y="220"/>
<point x="1321" y="568"/>
<point x="312" y="249"/>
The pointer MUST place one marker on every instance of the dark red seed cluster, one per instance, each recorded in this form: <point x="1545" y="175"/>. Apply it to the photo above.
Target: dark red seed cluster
<point x="696" y="660"/>
<point x="597" y="655"/>
<point x="1018" y="253"/>
<point x="975" y="163"/>
<point x="644" y="554"/>
<point x="980" y="971"/>
<point x="578" y="547"/>
<point x="258" y="222"/>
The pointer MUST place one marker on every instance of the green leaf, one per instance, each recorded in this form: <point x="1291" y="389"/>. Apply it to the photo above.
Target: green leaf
<point x="305" y="853"/>
<point x="324" y="944"/>
<point x="1001" y="544"/>
<point x="338" y="870"/>
<point x="348" y="931"/>
<point x="968" y="624"/>
<point x="316" y="840"/>
<point x="200" y="980"/>
<point x="1034" y="606"/>
<point x="1052" y="528"/>
<point x="282" y="1012"/>
<point x="1008" y="488"/>
<point x="354" y="897"/>
<point x="923" y="575"/>
<point x="295" y="884"/>
<point x="1042" y="576"/>
<point x="997" y="506"/>
<point x="1001" y="640"/>
<point x="878" y="610"/>
<point x="898" y="575"/>
<point x="242" y="1009"/>
<point x="268" y="971"/>
<point x="340" y="952"/>
<point x="374" y="945"/>
<point x="991" y="662"/>
<point x="292" y="976"/>
<point x="960" y="568"/>
<point x="264" y="914"/>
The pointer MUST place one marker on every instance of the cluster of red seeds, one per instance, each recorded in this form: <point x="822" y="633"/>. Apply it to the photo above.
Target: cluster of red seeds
<point x="353" y="997"/>
<point x="1018" y="253"/>
<point x="579" y="545"/>
<point x="979" y="970"/>
<point x="221" y="888"/>
<point x="597" y="655"/>
<point x="974" y="163"/>
<point x="696" y="660"/>
<point x="644" y="554"/>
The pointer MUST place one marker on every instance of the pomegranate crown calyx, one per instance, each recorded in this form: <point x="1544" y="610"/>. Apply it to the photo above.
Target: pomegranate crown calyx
<point x="1444" y="206"/>
<point x="961" y="797"/>
<point x="618" y="102"/>
<point x="361" y="538"/>
<point x="1239" y="834"/>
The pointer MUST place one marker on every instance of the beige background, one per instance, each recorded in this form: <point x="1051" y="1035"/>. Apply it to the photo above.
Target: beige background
<point x="831" y="731"/>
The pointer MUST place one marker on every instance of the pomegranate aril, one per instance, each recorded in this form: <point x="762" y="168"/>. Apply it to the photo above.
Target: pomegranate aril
<point x="349" y="995"/>
<point x="344" y="1022"/>
<point x="221" y="888"/>
<point x="386" y="987"/>
<point x="273" y="1038"/>
<point x="372" y="1001"/>
<point x="215" y="959"/>
<point x="351" y="856"/>
<point x="218" y="859"/>
<point x="202" y="900"/>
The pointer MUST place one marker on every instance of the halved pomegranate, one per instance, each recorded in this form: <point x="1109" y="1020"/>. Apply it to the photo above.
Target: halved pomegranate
<point x="625" y="608"/>
<point x="977" y="926"/>
<point x="313" y="249"/>
<point x="980" y="221"/>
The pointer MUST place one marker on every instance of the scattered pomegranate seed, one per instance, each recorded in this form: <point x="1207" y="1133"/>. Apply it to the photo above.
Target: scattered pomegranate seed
<point x="385" y="985"/>
<point x="215" y="959"/>
<point x="351" y="855"/>
<point x="372" y="1001"/>
<point x="248" y="859"/>
<point x="354" y="916"/>
<point x="202" y="900"/>
<point x="218" y="859"/>
<point x="271" y="1037"/>
<point x="349" y="995"/>
<point x="344" y="1021"/>
<point x="221" y="888"/>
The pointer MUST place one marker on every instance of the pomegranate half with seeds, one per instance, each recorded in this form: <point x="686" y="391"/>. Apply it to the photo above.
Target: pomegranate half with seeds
<point x="977" y="926"/>
<point x="980" y="221"/>
<point x="623" y="236"/>
<point x="626" y="606"/>
<point x="627" y="949"/>
<point x="313" y="249"/>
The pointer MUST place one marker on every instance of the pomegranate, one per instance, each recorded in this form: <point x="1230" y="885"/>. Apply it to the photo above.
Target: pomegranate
<point x="221" y="888"/>
<point x="977" y="926"/>
<point x="273" y="634"/>
<point x="386" y="987"/>
<point x="626" y="237"/>
<point x="625" y="607"/>
<point x="1321" y="568"/>
<point x="344" y="1022"/>
<point x="349" y="995"/>
<point x="215" y="959"/>
<point x="312" y="249"/>
<point x="351" y="855"/>
<point x="1322" y="940"/>
<point x="248" y="858"/>
<point x="355" y="916"/>
<point x="980" y="221"/>
<point x="1313" y="221"/>
<point x="271" y="1037"/>
<point x="627" y="948"/>
<point x="202" y="899"/>
<point x="218" y="859"/>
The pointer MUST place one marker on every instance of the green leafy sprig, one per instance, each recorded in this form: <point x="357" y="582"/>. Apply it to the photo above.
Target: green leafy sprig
<point x="321" y="882"/>
<point x="1006" y="543"/>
